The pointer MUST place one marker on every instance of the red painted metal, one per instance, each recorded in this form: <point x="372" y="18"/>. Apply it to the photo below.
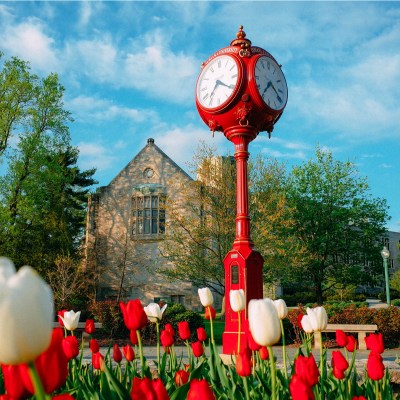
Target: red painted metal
<point x="241" y="120"/>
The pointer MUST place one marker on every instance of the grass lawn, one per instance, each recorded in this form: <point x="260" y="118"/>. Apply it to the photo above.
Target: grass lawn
<point x="218" y="326"/>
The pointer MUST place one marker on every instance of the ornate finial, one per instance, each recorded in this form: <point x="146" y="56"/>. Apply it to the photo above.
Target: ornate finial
<point x="241" y="39"/>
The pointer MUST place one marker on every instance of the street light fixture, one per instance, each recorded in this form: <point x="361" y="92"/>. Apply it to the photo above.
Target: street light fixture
<point x="385" y="255"/>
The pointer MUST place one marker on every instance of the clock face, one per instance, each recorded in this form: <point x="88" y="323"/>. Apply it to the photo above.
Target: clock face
<point x="218" y="82"/>
<point x="271" y="83"/>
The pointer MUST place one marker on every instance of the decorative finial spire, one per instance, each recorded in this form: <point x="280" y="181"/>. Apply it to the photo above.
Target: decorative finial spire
<point x="241" y="39"/>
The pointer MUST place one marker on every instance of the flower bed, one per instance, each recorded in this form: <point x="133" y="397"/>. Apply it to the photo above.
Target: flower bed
<point x="37" y="359"/>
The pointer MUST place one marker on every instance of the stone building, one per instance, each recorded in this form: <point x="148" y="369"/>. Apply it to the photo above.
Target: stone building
<point x="125" y="226"/>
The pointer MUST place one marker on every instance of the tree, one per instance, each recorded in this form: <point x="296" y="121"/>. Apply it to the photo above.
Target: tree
<point x="271" y="220"/>
<point x="201" y="226"/>
<point x="43" y="192"/>
<point x="337" y="221"/>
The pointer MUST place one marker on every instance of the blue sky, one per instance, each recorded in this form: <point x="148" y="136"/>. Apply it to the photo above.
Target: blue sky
<point x="130" y="69"/>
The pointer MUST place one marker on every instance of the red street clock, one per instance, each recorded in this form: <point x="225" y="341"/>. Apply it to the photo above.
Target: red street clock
<point x="241" y="85"/>
<point x="241" y="91"/>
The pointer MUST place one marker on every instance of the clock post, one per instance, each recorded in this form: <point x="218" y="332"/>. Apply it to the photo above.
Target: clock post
<point x="241" y="91"/>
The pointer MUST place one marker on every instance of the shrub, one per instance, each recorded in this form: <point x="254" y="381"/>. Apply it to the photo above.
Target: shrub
<point x="394" y="294"/>
<point x="396" y="302"/>
<point x="109" y="314"/>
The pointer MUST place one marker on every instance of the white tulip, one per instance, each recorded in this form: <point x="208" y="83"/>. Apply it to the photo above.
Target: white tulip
<point x="281" y="308"/>
<point x="264" y="322"/>
<point x="318" y="318"/>
<point x="237" y="300"/>
<point x="26" y="314"/>
<point x="71" y="319"/>
<point x="154" y="312"/>
<point x="306" y="324"/>
<point x="206" y="297"/>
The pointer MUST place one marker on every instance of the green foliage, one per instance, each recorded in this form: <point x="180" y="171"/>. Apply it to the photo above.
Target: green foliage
<point x="338" y="223"/>
<point x="42" y="191"/>
<point x="394" y="281"/>
<point x="396" y="302"/>
<point x="393" y="294"/>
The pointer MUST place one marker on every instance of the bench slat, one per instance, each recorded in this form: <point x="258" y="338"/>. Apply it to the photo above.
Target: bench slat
<point x="351" y="328"/>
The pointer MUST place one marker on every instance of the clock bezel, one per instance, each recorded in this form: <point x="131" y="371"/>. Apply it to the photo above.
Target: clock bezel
<point x="238" y="85"/>
<point x="253" y="83"/>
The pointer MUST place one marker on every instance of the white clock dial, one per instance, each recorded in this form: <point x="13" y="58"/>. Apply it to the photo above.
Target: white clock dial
<point x="217" y="82"/>
<point x="271" y="83"/>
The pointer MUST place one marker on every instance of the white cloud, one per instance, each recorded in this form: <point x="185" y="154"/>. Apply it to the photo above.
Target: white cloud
<point x="28" y="41"/>
<point x="95" y="155"/>
<point x="87" y="108"/>
<point x="180" y="143"/>
<point x="157" y="69"/>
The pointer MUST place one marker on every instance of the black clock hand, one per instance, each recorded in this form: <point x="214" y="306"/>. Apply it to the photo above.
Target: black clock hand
<point x="277" y="95"/>
<point x="269" y="84"/>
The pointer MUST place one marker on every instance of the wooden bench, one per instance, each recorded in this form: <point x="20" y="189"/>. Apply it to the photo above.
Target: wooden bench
<point x="81" y="328"/>
<point x="361" y="330"/>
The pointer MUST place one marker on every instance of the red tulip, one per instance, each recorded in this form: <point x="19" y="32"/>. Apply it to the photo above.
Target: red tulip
<point x="13" y="383"/>
<point x="97" y="360"/>
<point x="358" y="398"/>
<point x="201" y="334"/>
<point x="63" y="396"/>
<point x="263" y="352"/>
<point x="181" y="377"/>
<point x="299" y="389"/>
<point x="145" y="388"/>
<point x="200" y="390"/>
<point x="251" y="342"/>
<point x="197" y="348"/>
<point x="243" y="362"/>
<point x="51" y="365"/>
<point x="351" y="343"/>
<point x="166" y="338"/>
<point x="89" y="326"/>
<point x="210" y="313"/>
<point x="170" y="329"/>
<point x="134" y="316"/>
<point x="128" y="352"/>
<point x="117" y="355"/>
<point x="306" y="369"/>
<point x="375" y="367"/>
<point x="339" y="365"/>
<point x="61" y="314"/>
<point x="133" y="337"/>
<point x="184" y="330"/>
<point x="94" y="345"/>
<point x="70" y="346"/>
<point x="341" y="338"/>
<point x="299" y="318"/>
<point x="374" y="342"/>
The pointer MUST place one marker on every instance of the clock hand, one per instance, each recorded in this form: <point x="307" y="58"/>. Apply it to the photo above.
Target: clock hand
<point x="224" y="84"/>
<point x="217" y="83"/>
<point x="277" y="95"/>
<point x="269" y="84"/>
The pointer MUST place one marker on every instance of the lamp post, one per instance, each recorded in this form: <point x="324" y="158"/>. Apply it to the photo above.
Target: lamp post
<point x="385" y="255"/>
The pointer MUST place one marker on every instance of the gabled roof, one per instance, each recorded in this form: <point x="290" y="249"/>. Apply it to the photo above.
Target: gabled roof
<point x="150" y="143"/>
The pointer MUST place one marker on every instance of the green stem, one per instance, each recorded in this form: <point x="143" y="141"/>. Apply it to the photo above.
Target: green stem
<point x="139" y="337"/>
<point x="158" y="347"/>
<point x="37" y="383"/>
<point x="322" y="369"/>
<point x="246" y="387"/>
<point x="211" y="327"/>
<point x="273" y="372"/>
<point x="284" y="355"/>
<point x="239" y="332"/>
<point x="377" y="396"/>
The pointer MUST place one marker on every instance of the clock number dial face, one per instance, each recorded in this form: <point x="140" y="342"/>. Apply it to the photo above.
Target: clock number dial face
<point x="217" y="82"/>
<point x="271" y="83"/>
